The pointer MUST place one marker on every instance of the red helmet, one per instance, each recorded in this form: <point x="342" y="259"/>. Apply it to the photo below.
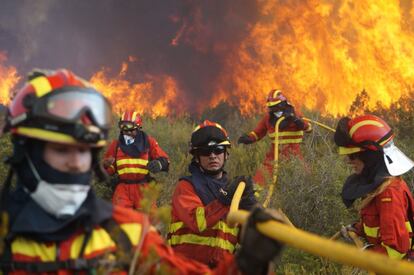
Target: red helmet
<point x="59" y="106"/>
<point x="274" y="98"/>
<point x="366" y="132"/>
<point x="208" y="134"/>
<point x="130" y="120"/>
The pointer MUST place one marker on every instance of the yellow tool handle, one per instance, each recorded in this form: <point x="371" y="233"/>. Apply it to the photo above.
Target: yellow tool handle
<point x="319" y="124"/>
<point x="335" y="251"/>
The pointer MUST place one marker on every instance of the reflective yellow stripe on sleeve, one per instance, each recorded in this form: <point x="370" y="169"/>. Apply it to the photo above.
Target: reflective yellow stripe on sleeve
<point x="290" y="141"/>
<point x="100" y="240"/>
<point x="371" y="231"/>
<point x="223" y="227"/>
<point x="133" y="231"/>
<point x="31" y="248"/>
<point x="253" y="133"/>
<point x="175" y="226"/>
<point x="200" y="240"/>
<point x="392" y="253"/>
<point x="201" y="219"/>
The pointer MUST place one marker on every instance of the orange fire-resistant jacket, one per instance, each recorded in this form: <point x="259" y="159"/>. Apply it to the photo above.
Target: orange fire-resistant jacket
<point x="132" y="172"/>
<point x="109" y="249"/>
<point x="289" y="138"/>
<point x="133" y="168"/>
<point x="199" y="231"/>
<point x="385" y="220"/>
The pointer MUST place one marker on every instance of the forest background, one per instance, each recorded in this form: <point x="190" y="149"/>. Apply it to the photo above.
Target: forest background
<point x="309" y="192"/>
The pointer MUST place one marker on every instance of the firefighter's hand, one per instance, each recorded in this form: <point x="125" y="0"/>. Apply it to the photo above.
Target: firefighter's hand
<point x="248" y="199"/>
<point x="226" y="193"/>
<point x="245" y="139"/>
<point x="154" y="166"/>
<point x="345" y="232"/>
<point x="257" y="250"/>
<point x="108" y="162"/>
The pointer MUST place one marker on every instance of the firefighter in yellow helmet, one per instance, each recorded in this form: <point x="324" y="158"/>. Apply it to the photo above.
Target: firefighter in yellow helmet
<point x="386" y="204"/>
<point x="53" y="222"/>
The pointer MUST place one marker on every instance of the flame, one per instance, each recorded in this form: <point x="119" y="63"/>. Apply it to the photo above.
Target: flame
<point x="8" y="79"/>
<point x="155" y="97"/>
<point x="322" y="54"/>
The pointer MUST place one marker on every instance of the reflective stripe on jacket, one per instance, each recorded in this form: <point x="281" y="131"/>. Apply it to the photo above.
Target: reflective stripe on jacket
<point x="133" y="168"/>
<point x="384" y="220"/>
<point x="104" y="245"/>
<point x="199" y="231"/>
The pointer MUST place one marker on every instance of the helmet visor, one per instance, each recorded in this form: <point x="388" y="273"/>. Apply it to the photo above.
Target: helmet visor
<point x="70" y="105"/>
<point x="127" y="125"/>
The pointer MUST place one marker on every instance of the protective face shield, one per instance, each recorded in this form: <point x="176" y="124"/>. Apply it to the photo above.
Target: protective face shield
<point x="396" y="161"/>
<point x="278" y="114"/>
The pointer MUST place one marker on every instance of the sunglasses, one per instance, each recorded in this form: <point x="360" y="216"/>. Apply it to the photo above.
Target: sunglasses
<point x="207" y="151"/>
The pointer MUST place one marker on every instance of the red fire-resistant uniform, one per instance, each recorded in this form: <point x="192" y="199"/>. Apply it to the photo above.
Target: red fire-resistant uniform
<point x="132" y="172"/>
<point x="199" y="231"/>
<point x="109" y="246"/>
<point x="289" y="140"/>
<point x="385" y="220"/>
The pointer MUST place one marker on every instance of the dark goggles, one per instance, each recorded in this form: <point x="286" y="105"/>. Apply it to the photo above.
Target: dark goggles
<point x="207" y="151"/>
<point x="127" y="126"/>
<point x="70" y="104"/>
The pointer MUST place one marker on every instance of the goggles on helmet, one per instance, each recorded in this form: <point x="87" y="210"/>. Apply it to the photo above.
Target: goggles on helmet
<point x="70" y="104"/>
<point x="207" y="151"/>
<point x="127" y="125"/>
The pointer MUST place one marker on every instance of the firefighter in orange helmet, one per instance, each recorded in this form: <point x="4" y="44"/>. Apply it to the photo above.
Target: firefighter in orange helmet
<point x="53" y="223"/>
<point x="291" y="130"/>
<point x="131" y="159"/>
<point x="386" y="206"/>
<point x="200" y="202"/>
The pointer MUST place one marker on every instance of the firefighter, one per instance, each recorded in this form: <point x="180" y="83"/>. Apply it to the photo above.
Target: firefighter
<point x="291" y="131"/>
<point x="200" y="202"/>
<point x="131" y="158"/>
<point x="385" y="201"/>
<point x="53" y="222"/>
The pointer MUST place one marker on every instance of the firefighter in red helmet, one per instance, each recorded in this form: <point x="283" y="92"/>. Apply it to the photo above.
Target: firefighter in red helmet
<point x="53" y="222"/>
<point x="201" y="201"/>
<point x="291" y="130"/>
<point x="386" y="204"/>
<point x="131" y="159"/>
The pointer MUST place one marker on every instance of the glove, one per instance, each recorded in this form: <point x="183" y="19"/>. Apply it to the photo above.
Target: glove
<point x="256" y="249"/>
<point x="154" y="166"/>
<point x="245" y="139"/>
<point x="108" y="162"/>
<point x="344" y="232"/>
<point x="299" y="123"/>
<point x="248" y="199"/>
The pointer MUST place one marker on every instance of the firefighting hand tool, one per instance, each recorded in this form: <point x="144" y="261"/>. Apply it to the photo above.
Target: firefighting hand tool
<point x="319" y="124"/>
<point x="275" y="162"/>
<point x="257" y="250"/>
<point x="316" y="245"/>
<point x="154" y="166"/>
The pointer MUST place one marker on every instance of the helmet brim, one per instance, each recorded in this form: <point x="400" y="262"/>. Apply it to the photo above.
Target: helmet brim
<point x="396" y="161"/>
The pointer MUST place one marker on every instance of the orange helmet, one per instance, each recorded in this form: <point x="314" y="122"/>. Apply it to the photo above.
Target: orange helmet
<point x="130" y="120"/>
<point x="275" y="97"/>
<point x="59" y="106"/>
<point x="370" y="132"/>
<point x="208" y="134"/>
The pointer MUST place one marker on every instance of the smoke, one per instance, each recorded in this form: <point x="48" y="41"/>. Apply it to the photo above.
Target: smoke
<point x="185" y="39"/>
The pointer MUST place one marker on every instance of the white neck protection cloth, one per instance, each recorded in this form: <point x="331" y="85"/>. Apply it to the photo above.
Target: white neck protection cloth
<point x="58" y="199"/>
